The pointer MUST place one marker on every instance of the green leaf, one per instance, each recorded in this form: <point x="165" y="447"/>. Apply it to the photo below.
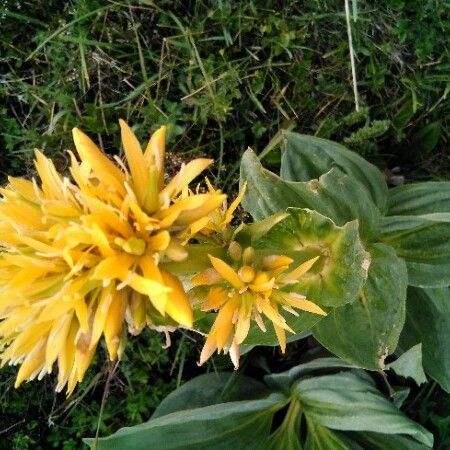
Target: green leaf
<point x="366" y="331"/>
<point x="378" y="441"/>
<point x="210" y="389"/>
<point x="323" y="438"/>
<point x="304" y="321"/>
<point x="419" y="198"/>
<point x="307" y="157"/>
<point x="284" y="380"/>
<point x="335" y="279"/>
<point x="348" y="401"/>
<point x="428" y="322"/>
<point x="424" y="243"/>
<point x="287" y="435"/>
<point x="339" y="273"/>
<point x="426" y="139"/>
<point x="399" y="396"/>
<point x="409" y="364"/>
<point x="335" y="195"/>
<point x="244" y="424"/>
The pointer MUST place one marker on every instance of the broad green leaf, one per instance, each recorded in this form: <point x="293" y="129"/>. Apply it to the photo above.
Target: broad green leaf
<point x="210" y="389"/>
<point x="348" y="401"/>
<point x="419" y="198"/>
<point x="335" y="279"/>
<point x="378" y="441"/>
<point x="244" y="424"/>
<point x="428" y="322"/>
<point x="365" y="332"/>
<point x="287" y="435"/>
<point x="409" y="364"/>
<point x="308" y="157"/>
<point x="284" y="380"/>
<point x="339" y="273"/>
<point x="284" y="440"/>
<point x="335" y="195"/>
<point x="322" y="438"/>
<point x="424" y="243"/>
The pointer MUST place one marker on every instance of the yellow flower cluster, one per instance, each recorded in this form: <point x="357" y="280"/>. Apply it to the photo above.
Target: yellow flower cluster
<point x="81" y="257"/>
<point x="253" y="288"/>
<point x="88" y="256"/>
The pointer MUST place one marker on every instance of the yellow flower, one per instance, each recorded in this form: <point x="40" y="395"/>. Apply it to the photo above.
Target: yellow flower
<point x="80" y="258"/>
<point x="253" y="288"/>
<point x="217" y="223"/>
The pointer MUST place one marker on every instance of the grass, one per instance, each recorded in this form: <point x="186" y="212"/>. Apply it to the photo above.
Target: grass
<point x="224" y="75"/>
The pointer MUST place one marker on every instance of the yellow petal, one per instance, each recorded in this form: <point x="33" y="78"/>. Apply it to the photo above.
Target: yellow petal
<point x="186" y="174"/>
<point x="113" y="267"/>
<point x="56" y="309"/>
<point x="242" y="328"/>
<point x="178" y="306"/>
<point x="103" y="168"/>
<point x="32" y="364"/>
<point x="114" y="324"/>
<point x="101" y="312"/>
<point x="57" y="339"/>
<point x="28" y="339"/>
<point x="270" y="312"/>
<point x="188" y="216"/>
<point x="209" y="348"/>
<point x="155" y="151"/>
<point x="26" y="276"/>
<point x="159" y="241"/>
<point x="83" y="358"/>
<point x="82" y="313"/>
<point x="52" y="185"/>
<point x="281" y="335"/>
<point x="21" y="214"/>
<point x="235" y="353"/>
<point x="263" y="286"/>
<point x="136" y="161"/>
<point x="25" y="188"/>
<point x="136" y="315"/>
<point x="66" y="357"/>
<point x="198" y="225"/>
<point x="215" y="299"/>
<point x="60" y="209"/>
<point x="152" y="188"/>
<point x="100" y="239"/>
<point x="151" y="283"/>
<point x="226" y="272"/>
<point x="175" y="251"/>
<point x="207" y="277"/>
<point x="299" y="271"/>
<point x="276" y="261"/>
<point x="223" y="324"/>
<point x="230" y="211"/>
<point x="302" y="303"/>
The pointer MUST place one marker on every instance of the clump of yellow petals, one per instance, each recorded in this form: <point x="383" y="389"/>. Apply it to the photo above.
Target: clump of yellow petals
<point x="250" y="288"/>
<point x="83" y="258"/>
<point x="217" y="224"/>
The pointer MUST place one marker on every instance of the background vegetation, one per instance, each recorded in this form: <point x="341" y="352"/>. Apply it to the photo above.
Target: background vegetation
<point x="224" y="75"/>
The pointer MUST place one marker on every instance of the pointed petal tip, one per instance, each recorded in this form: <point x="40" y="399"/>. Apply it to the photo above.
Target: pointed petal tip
<point x="123" y="124"/>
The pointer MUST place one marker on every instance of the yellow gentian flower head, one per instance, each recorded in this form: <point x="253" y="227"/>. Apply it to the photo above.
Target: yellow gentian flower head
<point x="81" y="258"/>
<point x="247" y="289"/>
